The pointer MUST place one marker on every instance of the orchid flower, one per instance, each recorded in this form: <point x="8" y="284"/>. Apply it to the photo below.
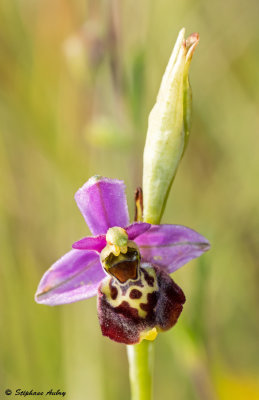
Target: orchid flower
<point x="126" y="265"/>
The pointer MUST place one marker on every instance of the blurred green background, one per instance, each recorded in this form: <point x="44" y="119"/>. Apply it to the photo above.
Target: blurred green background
<point x="77" y="81"/>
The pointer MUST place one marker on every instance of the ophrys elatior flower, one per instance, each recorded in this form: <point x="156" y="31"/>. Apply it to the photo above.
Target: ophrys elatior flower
<point x="126" y="265"/>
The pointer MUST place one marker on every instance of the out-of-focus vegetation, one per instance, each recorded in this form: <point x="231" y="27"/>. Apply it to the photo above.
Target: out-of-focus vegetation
<point x="77" y="81"/>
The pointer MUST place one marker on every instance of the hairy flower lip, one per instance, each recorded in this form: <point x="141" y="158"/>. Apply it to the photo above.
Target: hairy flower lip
<point x="157" y="306"/>
<point x="77" y="275"/>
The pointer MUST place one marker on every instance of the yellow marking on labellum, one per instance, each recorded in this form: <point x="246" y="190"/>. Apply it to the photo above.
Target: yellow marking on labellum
<point x="133" y="302"/>
<point x="149" y="335"/>
<point x="158" y="258"/>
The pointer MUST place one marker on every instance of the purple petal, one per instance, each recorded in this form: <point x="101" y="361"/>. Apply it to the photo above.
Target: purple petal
<point x="75" y="276"/>
<point x="136" y="229"/>
<point x="102" y="202"/>
<point x="96" y="243"/>
<point x="171" y="246"/>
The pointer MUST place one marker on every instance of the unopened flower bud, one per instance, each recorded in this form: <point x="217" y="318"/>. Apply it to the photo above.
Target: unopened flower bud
<point x="168" y="129"/>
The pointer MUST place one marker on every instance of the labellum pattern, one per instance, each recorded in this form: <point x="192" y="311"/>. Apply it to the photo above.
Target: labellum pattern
<point x="151" y="303"/>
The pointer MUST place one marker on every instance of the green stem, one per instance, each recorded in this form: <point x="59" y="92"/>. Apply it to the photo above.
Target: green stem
<point x="140" y="358"/>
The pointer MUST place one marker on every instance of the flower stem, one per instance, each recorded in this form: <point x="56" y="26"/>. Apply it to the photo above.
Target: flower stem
<point x="140" y="358"/>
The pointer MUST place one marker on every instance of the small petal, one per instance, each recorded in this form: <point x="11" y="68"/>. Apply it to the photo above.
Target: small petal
<point x="102" y="202"/>
<point x="96" y="243"/>
<point x="171" y="246"/>
<point x="75" y="276"/>
<point x="136" y="229"/>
